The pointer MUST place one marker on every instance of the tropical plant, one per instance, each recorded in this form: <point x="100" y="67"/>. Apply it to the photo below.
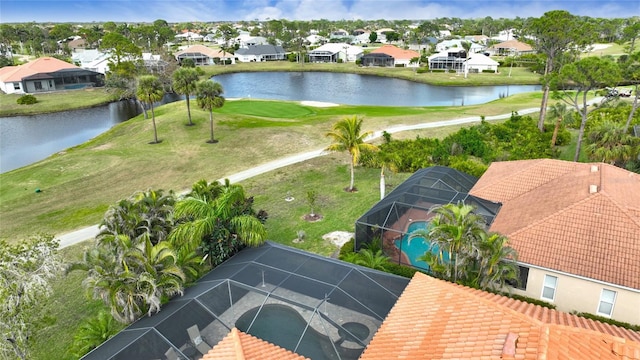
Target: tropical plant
<point x="93" y="332"/>
<point x="560" y="112"/>
<point x="610" y="143"/>
<point x="455" y="230"/>
<point x="466" y="45"/>
<point x="219" y="225"/>
<point x="375" y="260"/>
<point x="131" y="276"/>
<point x="150" y="91"/>
<point x="185" y="81"/>
<point x="210" y="97"/>
<point x="25" y="272"/>
<point x="347" y="136"/>
<point x="312" y="198"/>
<point x="496" y="264"/>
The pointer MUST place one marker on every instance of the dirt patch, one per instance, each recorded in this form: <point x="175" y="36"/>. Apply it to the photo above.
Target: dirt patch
<point x="312" y="218"/>
<point x="338" y="238"/>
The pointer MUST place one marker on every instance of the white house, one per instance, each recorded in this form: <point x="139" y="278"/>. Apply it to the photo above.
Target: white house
<point x="332" y="52"/>
<point x="457" y="44"/>
<point x="477" y="63"/>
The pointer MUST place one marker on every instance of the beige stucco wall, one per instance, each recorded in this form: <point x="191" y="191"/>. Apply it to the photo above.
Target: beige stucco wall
<point x="582" y="295"/>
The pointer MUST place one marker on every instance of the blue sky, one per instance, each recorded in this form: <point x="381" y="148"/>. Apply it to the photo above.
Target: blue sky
<point x="226" y="10"/>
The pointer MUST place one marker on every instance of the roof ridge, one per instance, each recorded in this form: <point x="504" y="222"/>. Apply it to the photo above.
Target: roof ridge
<point x="237" y="344"/>
<point x="623" y="209"/>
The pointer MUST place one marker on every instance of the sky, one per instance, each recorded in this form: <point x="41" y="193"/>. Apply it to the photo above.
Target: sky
<point x="234" y="10"/>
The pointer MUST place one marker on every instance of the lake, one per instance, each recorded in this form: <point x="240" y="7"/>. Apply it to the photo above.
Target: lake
<point x="28" y="139"/>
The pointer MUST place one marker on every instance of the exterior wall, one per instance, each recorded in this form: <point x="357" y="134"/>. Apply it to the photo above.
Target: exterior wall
<point x="45" y="85"/>
<point x="9" y="88"/>
<point x="583" y="295"/>
<point x="483" y="67"/>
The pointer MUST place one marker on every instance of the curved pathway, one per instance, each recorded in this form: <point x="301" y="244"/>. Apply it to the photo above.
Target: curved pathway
<point x="90" y="232"/>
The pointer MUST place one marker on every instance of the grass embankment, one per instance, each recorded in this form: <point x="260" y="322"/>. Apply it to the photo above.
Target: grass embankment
<point x="55" y="101"/>
<point x="80" y="183"/>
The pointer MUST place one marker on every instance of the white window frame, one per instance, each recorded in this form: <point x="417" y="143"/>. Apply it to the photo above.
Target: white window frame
<point x="544" y="285"/>
<point x="602" y="300"/>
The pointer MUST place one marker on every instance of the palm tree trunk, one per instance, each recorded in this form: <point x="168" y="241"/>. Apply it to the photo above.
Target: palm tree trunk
<point x="555" y="132"/>
<point x="382" y="184"/>
<point x="155" y="130"/>
<point x="189" y="109"/>
<point x="351" y="185"/>
<point x="211" y="125"/>
<point x="545" y="96"/>
<point x="583" y="123"/>
<point x="633" y="110"/>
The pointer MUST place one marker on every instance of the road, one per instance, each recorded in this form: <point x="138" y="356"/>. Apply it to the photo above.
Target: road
<point x="90" y="232"/>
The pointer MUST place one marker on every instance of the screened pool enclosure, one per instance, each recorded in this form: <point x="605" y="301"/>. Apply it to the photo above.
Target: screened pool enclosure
<point x="406" y="208"/>
<point x="318" y="307"/>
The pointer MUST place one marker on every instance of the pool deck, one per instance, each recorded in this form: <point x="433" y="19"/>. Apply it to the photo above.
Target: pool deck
<point x="400" y="228"/>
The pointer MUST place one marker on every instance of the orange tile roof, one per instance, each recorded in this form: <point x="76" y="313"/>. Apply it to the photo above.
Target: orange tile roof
<point x="396" y="52"/>
<point x="513" y="44"/>
<point x="212" y="53"/>
<point x="41" y="65"/>
<point x="435" y="319"/>
<point x="553" y="220"/>
<point x="240" y="346"/>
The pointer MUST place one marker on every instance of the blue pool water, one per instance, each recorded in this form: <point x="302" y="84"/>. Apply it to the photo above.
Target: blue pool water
<point x="418" y="246"/>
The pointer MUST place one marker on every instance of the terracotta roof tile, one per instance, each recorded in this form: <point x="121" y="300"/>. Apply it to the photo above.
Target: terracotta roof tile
<point x="204" y="50"/>
<point x="434" y="319"/>
<point x="241" y="346"/>
<point x="396" y="52"/>
<point x="548" y="204"/>
<point x="41" y="65"/>
<point x="513" y="44"/>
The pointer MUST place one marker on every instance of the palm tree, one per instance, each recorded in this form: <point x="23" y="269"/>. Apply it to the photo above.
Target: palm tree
<point x="610" y="143"/>
<point x="496" y="264"/>
<point x="93" y="332"/>
<point x="223" y="220"/>
<point x="185" y="81"/>
<point x="466" y="45"/>
<point x="560" y="112"/>
<point x="346" y="135"/>
<point x="455" y="230"/>
<point x="372" y="259"/>
<point x="150" y="91"/>
<point x="210" y="97"/>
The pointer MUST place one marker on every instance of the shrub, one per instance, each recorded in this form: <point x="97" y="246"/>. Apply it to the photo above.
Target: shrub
<point x="400" y="270"/>
<point x="346" y="249"/>
<point x="422" y="70"/>
<point x="27" y="100"/>
<point x="608" y="321"/>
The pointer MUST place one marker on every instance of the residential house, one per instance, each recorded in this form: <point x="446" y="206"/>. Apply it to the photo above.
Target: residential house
<point x="390" y="55"/>
<point x="435" y="319"/>
<point x="448" y="60"/>
<point x="203" y="55"/>
<point x="189" y="36"/>
<point x="456" y="44"/>
<point x="315" y="39"/>
<point x="477" y="63"/>
<point x="510" y="48"/>
<point x="92" y="59"/>
<point x="259" y="53"/>
<point x="77" y="43"/>
<point x="252" y="41"/>
<point x="47" y="74"/>
<point x="478" y="39"/>
<point x="332" y="52"/>
<point x="576" y="228"/>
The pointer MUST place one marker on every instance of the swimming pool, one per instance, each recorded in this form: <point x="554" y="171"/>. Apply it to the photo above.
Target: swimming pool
<point x="418" y="246"/>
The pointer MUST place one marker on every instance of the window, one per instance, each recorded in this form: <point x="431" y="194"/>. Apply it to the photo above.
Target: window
<point x="523" y="277"/>
<point x="38" y="85"/>
<point x="549" y="287"/>
<point x="16" y="86"/>
<point x="607" y="299"/>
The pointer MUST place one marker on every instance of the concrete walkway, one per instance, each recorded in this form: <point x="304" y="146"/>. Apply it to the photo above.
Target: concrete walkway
<point x="90" y="232"/>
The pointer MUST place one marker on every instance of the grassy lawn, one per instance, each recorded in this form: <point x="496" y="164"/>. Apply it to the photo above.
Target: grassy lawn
<point x="80" y="183"/>
<point x="54" y="101"/>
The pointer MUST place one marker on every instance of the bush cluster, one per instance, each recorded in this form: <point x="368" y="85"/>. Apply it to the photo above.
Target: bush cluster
<point x="27" y="99"/>
<point x="471" y="149"/>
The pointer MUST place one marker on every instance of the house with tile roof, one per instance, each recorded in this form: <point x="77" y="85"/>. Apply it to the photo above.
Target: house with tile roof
<point x="390" y="55"/>
<point x="510" y="48"/>
<point x="258" y="53"/>
<point x="576" y="228"/>
<point x="203" y="55"/>
<point x="435" y="319"/>
<point x="46" y="74"/>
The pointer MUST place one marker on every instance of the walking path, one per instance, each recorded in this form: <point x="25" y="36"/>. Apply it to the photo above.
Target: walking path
<point x="90" y="232"/>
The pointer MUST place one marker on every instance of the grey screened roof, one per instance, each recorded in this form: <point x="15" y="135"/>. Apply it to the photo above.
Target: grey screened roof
<point x="321" y="297"/>
<point x="261" y="50"/>
<point x="436" y="185"/>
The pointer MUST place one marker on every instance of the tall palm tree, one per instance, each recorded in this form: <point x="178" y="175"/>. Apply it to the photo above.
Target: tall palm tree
<point x="347" y="136"/>
<point x="221" y="220"/>
<point x="455" y="230"/>
<point x="185" y="81"/>
<point x="610" y="143"/>
<point x="210" y="97"/>
<point x="560" y="112"/>
<point x="150" y="91"/>
<point x="466" y="45"/>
